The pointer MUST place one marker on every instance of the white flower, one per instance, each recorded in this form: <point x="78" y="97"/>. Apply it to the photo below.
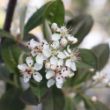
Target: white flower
<point x="54" y="77"/>
<point x="41" y="48"/>
<point x="102" y="78"/>
<point x="30" y="69"/>
<point x="56" y="37"/>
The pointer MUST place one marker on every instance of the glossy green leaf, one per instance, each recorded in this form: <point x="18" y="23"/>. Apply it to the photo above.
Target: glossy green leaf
<point x="102" y="53"/>
<point x="11" y="100"/>
<point x="53" y="11"/>
<point x="10" y="53"/>
<point x="4" y="73"/>
<point x="69" y="104"/>
<point x="39" y="90"/>
<point x="80" y="26"/>
<point x="46" y="30"/>
<point x="54" y="100"/>
<point x="29" y="98"/>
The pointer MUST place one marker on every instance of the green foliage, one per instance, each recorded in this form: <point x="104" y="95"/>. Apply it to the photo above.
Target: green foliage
<point x="39" y="89"/>
<point x="102" y="53"/>
<point x="10" y="54"/>
<point x="80" y="26"/>
<point x="11" y="100"/>
<point x="54" y="100"/>
<point x="4" y="73"/>
<point x="69" y="104"/>
<point x="29" y="98"/>
<point x="53" y="11"/>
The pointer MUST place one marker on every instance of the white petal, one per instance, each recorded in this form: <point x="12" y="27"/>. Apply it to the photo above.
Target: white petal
<point x="22" y="67"/>
<point x="68" y="63"/>
<point x="47" y="52"/>
<point x="37" y="76"/>
<point x="53" y="60"/>
<point x="56" y="37"/>
<point x="40" y="58"/>
<point x="50" y="83"/>
<point x="34" y="52"/>
<point x="61" y="55"/>
<point x="50" y="74"/>
<point x="64" y="42"/>
<point x="38" y="67"/>
<point x="60" y="62"/>
<point x="33" y="43"/>
<point x="29" y="61"/>
<point x="59" y="79"/>
<point x="73" y="66"/>
<point x="55" y="44"/>
<point x="26" y="78"/>
<point x="59" y="85"/>
<point x="65" y="72"/>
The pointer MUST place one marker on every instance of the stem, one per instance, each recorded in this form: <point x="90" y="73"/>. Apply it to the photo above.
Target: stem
<point x="9" y="14"/>
<point x="8" y="20"/>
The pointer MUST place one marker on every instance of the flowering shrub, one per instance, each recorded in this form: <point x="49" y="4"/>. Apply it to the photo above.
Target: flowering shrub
<point x="53" y="72"/>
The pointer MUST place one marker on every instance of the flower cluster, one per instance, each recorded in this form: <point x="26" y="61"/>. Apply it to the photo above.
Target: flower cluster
<point x="102" y="78"/>
<point x="56" y="57"/>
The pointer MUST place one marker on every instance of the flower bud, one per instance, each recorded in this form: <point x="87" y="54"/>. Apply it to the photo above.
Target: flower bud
<point x="54" y="27"/>
<point x="63" y="42"/>
<point x="47" y="65"/>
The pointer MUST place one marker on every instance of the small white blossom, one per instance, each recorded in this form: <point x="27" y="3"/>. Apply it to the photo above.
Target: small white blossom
<point x="102" y="78"/>
<point x="29" y="69"/>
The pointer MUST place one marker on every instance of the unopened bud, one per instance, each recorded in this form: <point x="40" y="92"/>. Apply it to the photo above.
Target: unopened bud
<point x="63" y="42"/>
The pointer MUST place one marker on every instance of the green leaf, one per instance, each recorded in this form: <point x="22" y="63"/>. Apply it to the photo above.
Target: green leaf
<point x="85" y="68"/>
<point x="54" y="100"/>
<point x="53" y="11"/>
<point x="46" y="30"/>
<point x="29" y="98"/>
<point x="10" y="53"/>
<point x="69" y="104"/>
<point x="102" y="53"/>
<point x="88" y="57"/>
<point x="39" y="90"/>
<point x="4" y="73"/>
<point x="11" y="100"/>
<point x="80" y="26"/>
